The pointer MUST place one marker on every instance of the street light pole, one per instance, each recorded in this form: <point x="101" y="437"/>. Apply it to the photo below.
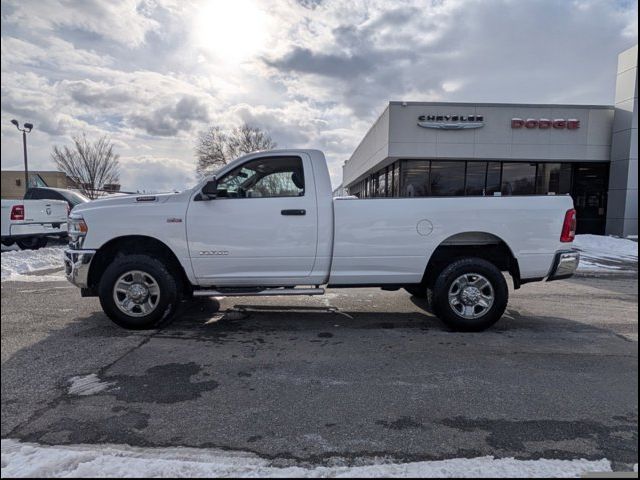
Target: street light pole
<point x="27" y="127"/>
<point x="26" y="164"/>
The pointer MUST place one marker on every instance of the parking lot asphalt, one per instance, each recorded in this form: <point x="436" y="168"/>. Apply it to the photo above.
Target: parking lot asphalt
<point x="352" y="375"/>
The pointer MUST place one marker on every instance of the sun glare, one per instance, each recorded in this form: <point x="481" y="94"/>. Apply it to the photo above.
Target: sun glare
<point x="232" y="31"/>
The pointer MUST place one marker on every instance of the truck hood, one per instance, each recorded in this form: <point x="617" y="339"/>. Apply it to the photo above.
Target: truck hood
<point x="127" y="200"/>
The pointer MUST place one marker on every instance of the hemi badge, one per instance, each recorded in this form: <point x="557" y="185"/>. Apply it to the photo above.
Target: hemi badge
<point x="174" y="220"/>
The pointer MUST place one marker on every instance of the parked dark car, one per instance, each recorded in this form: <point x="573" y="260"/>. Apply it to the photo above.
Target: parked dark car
<point x="72" y="197"/>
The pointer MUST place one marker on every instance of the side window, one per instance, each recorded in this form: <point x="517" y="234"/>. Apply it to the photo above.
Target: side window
<point x="263" y="178"/>
<point x="56" y="196"/>
<point x="35" y="194"/>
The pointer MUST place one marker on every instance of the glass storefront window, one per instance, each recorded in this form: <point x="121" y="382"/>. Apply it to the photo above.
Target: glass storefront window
<point x="476" y="176"/>
<point x="566" y="176"/>
<point x="494" y="178"/>
<point x="553" y="178"/>
<point x="415" y="178"/>
<point x="447" y="179"/>
<point x="390" y="178"/>
<point x="518" y="178"/>
<point x="396" y="179"/>
<point x="547" y="180"/>
<point x="423" y="178"/>
<point x="382" y="183"/>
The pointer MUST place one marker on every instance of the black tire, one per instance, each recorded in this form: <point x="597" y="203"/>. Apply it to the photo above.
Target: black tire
<point x="32" y="243"/>
<point x="455" y="319"/>
<point x="167" y="302"/>
<point x="7" y="242"/>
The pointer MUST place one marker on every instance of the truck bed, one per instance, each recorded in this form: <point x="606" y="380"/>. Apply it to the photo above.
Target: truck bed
<point x="389" y="241"/>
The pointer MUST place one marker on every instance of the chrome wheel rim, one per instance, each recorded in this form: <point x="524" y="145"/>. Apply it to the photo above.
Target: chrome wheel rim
<point x="471" y="295"/>
<point x="136" y="293"/>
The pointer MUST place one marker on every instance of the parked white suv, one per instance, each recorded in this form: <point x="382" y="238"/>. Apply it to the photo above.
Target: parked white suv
<point x="266" y="224"/>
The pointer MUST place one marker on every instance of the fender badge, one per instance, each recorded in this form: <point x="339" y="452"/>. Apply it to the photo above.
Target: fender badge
<point x="174" y="220"/>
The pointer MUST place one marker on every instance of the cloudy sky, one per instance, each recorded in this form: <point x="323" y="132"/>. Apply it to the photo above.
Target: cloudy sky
<point x="315" y="73"/>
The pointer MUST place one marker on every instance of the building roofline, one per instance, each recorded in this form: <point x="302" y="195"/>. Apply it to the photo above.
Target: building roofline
<point x="375" y="122"/>
<point x="481" y="104"/>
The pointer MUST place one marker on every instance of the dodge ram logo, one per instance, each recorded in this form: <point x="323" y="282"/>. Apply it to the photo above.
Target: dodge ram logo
<point x="48" y="210"/>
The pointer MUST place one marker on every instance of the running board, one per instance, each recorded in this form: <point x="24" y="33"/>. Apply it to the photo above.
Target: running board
<point x="267" y="292"/>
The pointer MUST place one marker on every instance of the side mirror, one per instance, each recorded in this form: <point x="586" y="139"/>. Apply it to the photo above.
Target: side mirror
<point x="210" y="189"/>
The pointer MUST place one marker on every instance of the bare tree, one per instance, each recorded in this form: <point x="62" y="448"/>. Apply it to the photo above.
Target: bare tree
<point x="215" y="147"/>
<point x="90" y="165"/>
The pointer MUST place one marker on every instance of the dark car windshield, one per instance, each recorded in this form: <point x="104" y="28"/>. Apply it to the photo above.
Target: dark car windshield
<point x="74" y="198"/>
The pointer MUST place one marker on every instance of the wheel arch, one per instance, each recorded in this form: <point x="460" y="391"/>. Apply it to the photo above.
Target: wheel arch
<point x="485" y="245"/>
<point x="135" y="244"/>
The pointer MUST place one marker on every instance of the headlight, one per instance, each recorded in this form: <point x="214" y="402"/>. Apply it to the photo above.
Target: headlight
<point x="77" y="225"/>
<point x="77" y="229"/>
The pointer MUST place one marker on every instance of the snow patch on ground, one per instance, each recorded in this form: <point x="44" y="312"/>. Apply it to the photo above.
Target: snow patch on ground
<point x="602" y="253"/>
<point x="24" y="265"/>
<point x="87" y="385"/>
<point x="31" y="460"/>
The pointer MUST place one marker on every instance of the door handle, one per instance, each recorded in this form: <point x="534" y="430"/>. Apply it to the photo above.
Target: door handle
<point x="293" y="212"/>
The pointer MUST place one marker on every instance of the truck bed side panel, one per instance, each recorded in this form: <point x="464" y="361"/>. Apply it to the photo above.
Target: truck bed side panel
<point x="390" y="241"/>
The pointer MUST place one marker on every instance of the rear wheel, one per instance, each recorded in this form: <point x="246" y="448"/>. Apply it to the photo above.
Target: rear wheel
<point x="32" y="243"/>
<point x="471" y="294"/>
<point x="138" y="292"/>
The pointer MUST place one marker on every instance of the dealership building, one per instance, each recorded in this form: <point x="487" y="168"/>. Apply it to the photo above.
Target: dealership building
<point x="477" y="149"/>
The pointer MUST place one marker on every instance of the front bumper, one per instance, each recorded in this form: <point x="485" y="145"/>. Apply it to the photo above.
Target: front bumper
<point x="564" y="265"/>
<point x="76" y="266"/>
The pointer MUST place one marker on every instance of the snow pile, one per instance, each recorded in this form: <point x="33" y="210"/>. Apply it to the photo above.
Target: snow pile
<point x="601" y="253"/>
<point x="30" y="460"/>
<point x="18" y="264"/>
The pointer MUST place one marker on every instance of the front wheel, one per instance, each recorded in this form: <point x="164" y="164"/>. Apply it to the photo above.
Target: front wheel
<point x="471" y="294"/>
<point x="138" y="292"/>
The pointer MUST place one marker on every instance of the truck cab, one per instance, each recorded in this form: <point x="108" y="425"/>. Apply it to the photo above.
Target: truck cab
<point x="263" y="221"/>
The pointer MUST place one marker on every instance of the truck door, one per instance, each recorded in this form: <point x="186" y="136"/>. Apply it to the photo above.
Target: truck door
<point x="261" y="229"/>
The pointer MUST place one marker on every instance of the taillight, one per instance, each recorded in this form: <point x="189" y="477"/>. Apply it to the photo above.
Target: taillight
<point x="569" y="227"/>
<point x="17" y="212"/>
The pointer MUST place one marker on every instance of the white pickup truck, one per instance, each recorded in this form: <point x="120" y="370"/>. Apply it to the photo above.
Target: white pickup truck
<point x="30" y="222"/>
<point x="266" y="224"/>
